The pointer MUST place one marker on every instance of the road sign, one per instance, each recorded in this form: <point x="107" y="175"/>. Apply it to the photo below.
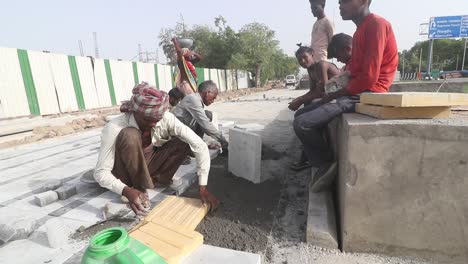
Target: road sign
<point x="448" y="27"/>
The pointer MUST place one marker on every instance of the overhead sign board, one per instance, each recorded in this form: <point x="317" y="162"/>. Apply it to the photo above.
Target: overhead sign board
<point x="448" y="27"/>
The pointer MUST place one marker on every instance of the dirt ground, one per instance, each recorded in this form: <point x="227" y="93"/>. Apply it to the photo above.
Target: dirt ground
<point x="245" y="217"/>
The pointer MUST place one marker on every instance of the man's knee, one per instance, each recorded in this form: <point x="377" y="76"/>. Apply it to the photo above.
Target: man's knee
<point x="129" y="136"/>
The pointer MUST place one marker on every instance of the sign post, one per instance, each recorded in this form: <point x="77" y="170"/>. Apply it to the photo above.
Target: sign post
<point x="446" y="27"/>
<point x="464" y="54"/>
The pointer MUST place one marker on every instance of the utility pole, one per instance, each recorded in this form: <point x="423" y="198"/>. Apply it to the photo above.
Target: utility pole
<point x="429" y="59"/>
<point x="80" y="44"/>
<point x="96" y="49"/>
<point x="420" y="61"/>
<point x="140" y="55"/>
<point x="464" y="54"/>
<point x="403" y="63"/>
<point x="456" y="67"/>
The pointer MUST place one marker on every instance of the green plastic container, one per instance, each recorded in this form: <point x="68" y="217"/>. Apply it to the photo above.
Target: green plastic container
<point x="114" y="246"/>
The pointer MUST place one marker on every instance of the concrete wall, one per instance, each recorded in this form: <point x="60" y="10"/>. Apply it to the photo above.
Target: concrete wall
<point x="403" y="186"/>
<point x="40" y="83"/>
<point x="451" y="86"/>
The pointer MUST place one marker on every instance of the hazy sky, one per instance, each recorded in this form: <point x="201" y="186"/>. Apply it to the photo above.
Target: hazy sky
<point x="57" y="25"/>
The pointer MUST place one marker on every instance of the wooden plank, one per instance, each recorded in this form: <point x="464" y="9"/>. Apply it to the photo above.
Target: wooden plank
<point x="415" y="99"/>
<point x="388" y="112"/>
<point x="171" y="242"/>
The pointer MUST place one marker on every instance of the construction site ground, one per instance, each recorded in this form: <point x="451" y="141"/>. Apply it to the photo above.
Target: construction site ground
<point x="268" y="218"/>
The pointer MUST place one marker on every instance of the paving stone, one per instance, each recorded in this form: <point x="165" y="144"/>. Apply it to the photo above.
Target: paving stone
<point x="46" y="198"/>
<point x="66" y="208"/>
<point x="24" y="228"/>
<point x="112" y="209"/>
<point x="245" y="154"/>
<point x="66" y="191"/>
<point x="210" y="254"/>
<point x="49" y="186"/>
<point x="250" y="127"/>
<point x="321" y="222"/>
<point x="6" y="233"/>
<point x="57" y="234"/>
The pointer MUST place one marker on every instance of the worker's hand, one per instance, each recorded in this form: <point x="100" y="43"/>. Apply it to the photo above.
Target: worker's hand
<point x="214" y="145"/>
<point x="295" y="104"/>
<point x="174" y="39"/>
<point x="137" y="200"/>
<point x="208" y="198"/>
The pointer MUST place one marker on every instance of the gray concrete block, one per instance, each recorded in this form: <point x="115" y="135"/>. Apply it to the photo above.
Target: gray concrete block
<point x="24" y="228"/>
<point x="321" y="221"/>
<point x="46" y="198"/>
<point x="6" y="233"/>
<point x="250" y="127"/>
<point x="49" y="186"/>
<point x="111" y="210"/>
<point x="66" y="191"/>
<point x="402" y="185"/>
<point x="245" y="155"/>
<point x="57" y="233"/>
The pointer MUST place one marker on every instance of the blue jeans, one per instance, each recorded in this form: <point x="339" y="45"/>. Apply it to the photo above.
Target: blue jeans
<point x="311" y="122"/>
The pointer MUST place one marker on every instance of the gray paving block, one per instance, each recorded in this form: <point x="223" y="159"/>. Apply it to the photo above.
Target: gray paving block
<point x="67" y="208"/>
<point x="112" y="209"/>
<point x="6" y="233"/>
<point x="46" y="198"/>
<point x="24" y="228"/>
<point x="66" y="191"/>
<point x="321" y="220"/>
<point x="49" y="186"/>
<point x="245" y="154"/>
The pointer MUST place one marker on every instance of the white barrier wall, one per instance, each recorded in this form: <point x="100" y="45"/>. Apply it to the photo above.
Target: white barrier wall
<point x="165" y="77"/>
<point x="242" y="79"/>
<point x="13" y="99"/>
<point x="63" y="82"/>
<point x="44" y="82"/>
<point x="146" y="73"/>
<point x="122" y="75"/>
<point x="88" y="87"/>
<point x="102" y="86"/>
<point x="39" y="83"/>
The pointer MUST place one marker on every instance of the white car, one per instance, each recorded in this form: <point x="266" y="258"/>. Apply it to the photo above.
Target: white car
<point x="290" y="80"/>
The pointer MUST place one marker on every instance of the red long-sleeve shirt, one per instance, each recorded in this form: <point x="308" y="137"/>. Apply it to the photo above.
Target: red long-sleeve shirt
<point x="374" y="58"/>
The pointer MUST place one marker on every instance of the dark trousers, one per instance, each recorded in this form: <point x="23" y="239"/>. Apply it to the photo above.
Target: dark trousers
<point x="310" y="125"/>
<point x="143" y="168"/>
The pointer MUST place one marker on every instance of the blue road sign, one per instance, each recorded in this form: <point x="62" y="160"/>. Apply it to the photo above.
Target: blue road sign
<point x="448" y="27"/>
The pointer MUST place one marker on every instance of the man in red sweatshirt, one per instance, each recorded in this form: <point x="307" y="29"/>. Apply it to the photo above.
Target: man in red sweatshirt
<point x="373" y="64"/>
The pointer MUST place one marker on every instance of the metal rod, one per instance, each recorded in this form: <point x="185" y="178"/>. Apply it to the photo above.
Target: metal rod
<point x="96" y="49"/>
<point x="464" y="54"/>
<point x="429" y="60"/>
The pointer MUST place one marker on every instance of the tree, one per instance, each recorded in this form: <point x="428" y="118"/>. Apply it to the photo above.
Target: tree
<point x="445" y="52"/>
<point x="254" y="48"/>
<point x="258" y="44"/>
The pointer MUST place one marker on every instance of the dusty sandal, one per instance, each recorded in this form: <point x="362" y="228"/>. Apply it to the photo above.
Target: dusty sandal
<point x="297" y="166"/>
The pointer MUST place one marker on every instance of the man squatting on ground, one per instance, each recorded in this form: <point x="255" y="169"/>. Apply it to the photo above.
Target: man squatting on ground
<point x="144" y="147"/>
<point x="372" y="67"/>
<point x="191" y="112"/>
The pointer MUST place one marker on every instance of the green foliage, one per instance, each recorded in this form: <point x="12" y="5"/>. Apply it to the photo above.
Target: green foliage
<point x="445" y="55"/>
<point x="253" y="48"/>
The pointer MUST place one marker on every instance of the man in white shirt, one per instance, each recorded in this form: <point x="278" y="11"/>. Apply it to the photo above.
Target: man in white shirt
<point x="145" y="146"/>
<point x="322" y="31"/>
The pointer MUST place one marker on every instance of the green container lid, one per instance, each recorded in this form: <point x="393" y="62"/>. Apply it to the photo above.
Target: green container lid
<point x="114" y="245"/>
